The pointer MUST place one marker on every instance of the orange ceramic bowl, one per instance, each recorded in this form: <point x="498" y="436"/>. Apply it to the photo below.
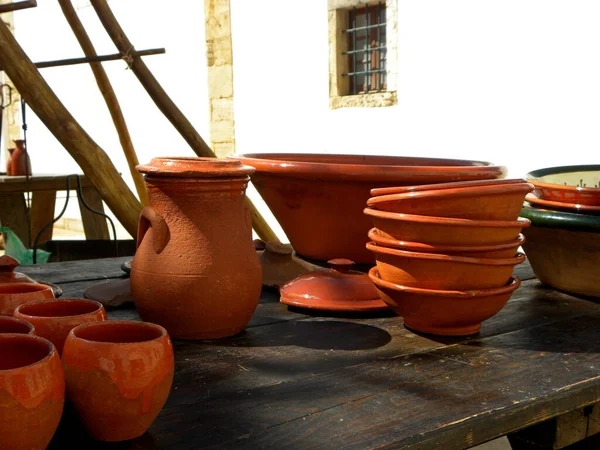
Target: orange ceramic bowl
<point x="487" y="202"/>
<point x="32" y="391"/>
<point x="439" y="271"/>
<point x="119" y="375"/>
<point x="15" y="294"/>
<point x="54" y="319"/>
<point x="318" y="198"/>
<point x="445" y="230"/>
<point x="504" y="250"/>
<point x="562" y="206"/>
<point x="441" y="312"/>
<point x="575" y="185"/>
<point x="449" y="185"/>
<point x="13" y="325"/>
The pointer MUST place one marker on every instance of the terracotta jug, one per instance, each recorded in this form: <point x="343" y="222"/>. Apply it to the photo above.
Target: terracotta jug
<point x="20" y="163"/>
<point x="195" y="270"/>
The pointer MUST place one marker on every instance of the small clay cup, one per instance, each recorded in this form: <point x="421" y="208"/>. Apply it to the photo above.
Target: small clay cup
<point x="32" y="391"/>
<point x="504" y="250"/>
<point x="15" y="294"/>
<point x="442" y="312"/>
<point x="119" y="374"/>
<point x="487" y="202"/>
<point x="14" y="325"/>
<point x="439" y="271"/>
<point x="54" y="319"/>
<point x="445" y="230"/>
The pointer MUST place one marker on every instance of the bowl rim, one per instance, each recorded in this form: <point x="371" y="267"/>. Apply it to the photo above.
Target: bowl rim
<point x="551" y="204"/>
<point x="375" y="192"/>
<point x="52" y="352"/>
<point x="72" y="300"/>
<point x="521" y="222"/>
<point x="512" y="261"/>
<point x="535" y="175"/>
<point x="441" y="248"/>
<point x="540" y="217"/>
<point x="459" y="192"/>
<point x="513" y="284"/>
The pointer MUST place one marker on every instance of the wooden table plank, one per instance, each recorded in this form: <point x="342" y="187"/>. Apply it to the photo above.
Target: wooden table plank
<point x="71" y="271"/>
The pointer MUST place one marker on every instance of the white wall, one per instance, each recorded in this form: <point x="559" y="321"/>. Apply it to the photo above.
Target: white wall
<point x="179" y="28"/>
<point x="515" y="82"/>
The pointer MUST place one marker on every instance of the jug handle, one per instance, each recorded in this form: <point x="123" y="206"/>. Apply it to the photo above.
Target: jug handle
<point x="149" y="217"/>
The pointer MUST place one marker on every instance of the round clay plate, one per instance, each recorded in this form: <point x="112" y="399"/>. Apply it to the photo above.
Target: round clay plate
<point x="338" y="306"/>
<point x="560" y="206"/>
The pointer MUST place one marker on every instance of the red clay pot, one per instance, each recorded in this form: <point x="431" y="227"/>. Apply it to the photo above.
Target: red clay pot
<point x="54" y="319"/>
<point x="15" y="294"/>
<point x="439" y="271"/>
<point x="8" y="264"/>
<point x="14" y="325"/>
<point x="195" y="271"/>
<point x="445" y="313"/>
<point x="445" y="230"/>
<point x="119" y="375"/>
<point x="32" y="392"/>
<point x="20" y="163"/>
<point x="504" y="250"/>
<point x="491" y="202"/>
<point x="318" y="199"/>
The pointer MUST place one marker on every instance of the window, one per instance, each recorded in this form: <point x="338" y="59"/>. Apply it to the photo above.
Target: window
<point x="366" y="49"/>
<point x="363" y="40"/>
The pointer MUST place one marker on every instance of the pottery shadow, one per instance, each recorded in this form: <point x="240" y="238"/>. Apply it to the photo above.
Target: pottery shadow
<point x="317" y="335"/>
<point x="343" y="314"/>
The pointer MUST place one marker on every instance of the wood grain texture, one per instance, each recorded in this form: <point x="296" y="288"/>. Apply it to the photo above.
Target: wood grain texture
<point x="293" y="380"/>
<point x="94" y="225"/>
<point x="42" y="214"/>
<point x="13" y="214"/>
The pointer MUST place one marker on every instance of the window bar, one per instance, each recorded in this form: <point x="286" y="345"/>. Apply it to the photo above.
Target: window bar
<point x="353" y="22"/>
<point x="378" y="13"/>
<point x="382" y="19"/>
<point x="367" y="86"/>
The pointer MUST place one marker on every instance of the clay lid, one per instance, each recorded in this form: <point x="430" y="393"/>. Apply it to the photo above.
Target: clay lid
<point x="335" y="289"/>
<point x="189" y="167"/>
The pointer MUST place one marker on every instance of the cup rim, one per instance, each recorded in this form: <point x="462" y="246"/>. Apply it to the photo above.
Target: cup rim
<point x="19" y="309"/>
<point x="51" y="350"/>
<point x="116" y="323"/>
<point x="19" y="320"/>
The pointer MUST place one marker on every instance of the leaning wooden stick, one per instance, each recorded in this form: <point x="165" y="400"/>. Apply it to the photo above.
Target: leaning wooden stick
<point x="109" y="97"/>
<point x="15" y="6"/>
<point x="94" y="162"/>
<point x="166" y="105"/>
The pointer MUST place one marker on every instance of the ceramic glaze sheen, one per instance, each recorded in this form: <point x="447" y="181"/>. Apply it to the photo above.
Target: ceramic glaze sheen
<point x="32" y="392"/>
<point x="195" y="271"/>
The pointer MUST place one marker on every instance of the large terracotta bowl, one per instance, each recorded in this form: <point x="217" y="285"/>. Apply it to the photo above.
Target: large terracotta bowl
<point x="445" y="230"/>
<point x="440" y="312"/>
<point x="318" y="199"/>
<point x="578" y="185"/>
<point x="439" y="271"/>
<point x="564" y="250"/>
<point x="487" y="202"/>
<point x="503" y="250"/>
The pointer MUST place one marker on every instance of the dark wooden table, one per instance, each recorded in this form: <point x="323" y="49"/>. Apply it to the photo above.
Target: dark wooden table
<point x="297" y="381"/>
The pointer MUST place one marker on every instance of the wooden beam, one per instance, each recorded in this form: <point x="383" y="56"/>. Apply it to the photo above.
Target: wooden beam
<point x="110" y="97"/>
<point x="94" y="59"/>
<point x="166" y="105"/>
<point x="9" y="7"/>
<point x="94" y="162"/>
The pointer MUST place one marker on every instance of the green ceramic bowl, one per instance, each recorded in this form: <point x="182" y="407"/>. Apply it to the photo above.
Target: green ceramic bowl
<point x="577" y="185"/>
<point x="557" y="219"/>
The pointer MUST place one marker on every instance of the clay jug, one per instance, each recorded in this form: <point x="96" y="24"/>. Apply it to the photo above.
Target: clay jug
<point x="195" y="271"/>
<point x="19" y="160"/>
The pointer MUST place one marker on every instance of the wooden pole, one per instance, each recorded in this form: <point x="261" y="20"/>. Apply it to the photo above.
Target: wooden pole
<point x="94" y="162"/>
<point x="9" y="7"/>
<point x="167" y="106"/>
<point x="93" y="59"/>
<point x="110" y="97"/>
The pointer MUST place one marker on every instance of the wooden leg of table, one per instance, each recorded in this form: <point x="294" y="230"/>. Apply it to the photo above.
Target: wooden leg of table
<point x="94" y="225"/>
<point x="42" y="213"/>
<point x="13" y="214"/>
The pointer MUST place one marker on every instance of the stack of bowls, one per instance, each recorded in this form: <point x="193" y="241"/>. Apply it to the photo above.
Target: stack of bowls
<point x="446" y="252"/>
<point x="563" y="243"/>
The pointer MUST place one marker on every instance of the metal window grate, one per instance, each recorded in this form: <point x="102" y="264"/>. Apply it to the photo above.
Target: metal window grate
<point x="366" y="49"/>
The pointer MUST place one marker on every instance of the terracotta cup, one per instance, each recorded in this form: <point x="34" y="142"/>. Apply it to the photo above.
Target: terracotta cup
<point x="32" y="391"/>
<point x="54" y="319"/>
<point x="119" y="374"/>
<point x="439" y="271"/>
<point x="15" y="294"/>
<point x="14" y="325"/>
